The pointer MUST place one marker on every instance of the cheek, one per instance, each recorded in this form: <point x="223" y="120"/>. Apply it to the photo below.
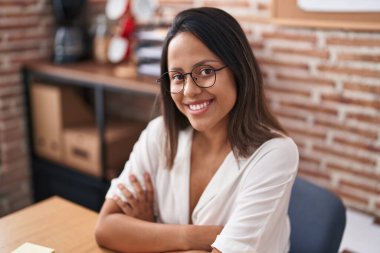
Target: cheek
<point x="231" y="93"/>
<point x="231" y="100"/>
<point x="176" y="101"/>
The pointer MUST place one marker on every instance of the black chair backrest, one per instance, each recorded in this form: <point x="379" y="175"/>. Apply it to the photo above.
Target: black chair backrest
<point x="317" y="217"/>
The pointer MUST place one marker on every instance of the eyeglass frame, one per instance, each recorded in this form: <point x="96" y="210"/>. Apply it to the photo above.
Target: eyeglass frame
<point x="192" y="78"/>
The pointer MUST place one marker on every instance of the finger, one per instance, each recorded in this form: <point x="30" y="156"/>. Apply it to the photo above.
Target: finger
<point x="137" y="186"/>
<point x="125" y="207"/>
<point x="149" y="187"/>
<point x="131" y="199"/>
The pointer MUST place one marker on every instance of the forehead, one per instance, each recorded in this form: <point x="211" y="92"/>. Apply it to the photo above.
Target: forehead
<point x="186" y="50"/>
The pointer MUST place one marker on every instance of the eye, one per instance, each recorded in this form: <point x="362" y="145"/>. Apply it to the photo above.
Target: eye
<point x="205" y="71"/>
<point x="176" y="77"/>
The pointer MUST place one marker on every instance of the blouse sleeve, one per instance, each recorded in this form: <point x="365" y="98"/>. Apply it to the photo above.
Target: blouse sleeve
<point x="145" y="157"/>
<point x="260" y="213"/>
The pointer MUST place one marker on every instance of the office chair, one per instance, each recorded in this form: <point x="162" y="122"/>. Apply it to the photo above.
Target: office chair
<point x="317" y="217"/>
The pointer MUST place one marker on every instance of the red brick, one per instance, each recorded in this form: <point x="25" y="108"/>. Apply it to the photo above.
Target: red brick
<point x="359" y="57"/>
<point x="345" y="128"/>
<point x="362" y="87"/>
<point x="286" y="90"/>
<point x="351" y="171"/>
<point x="306" y="132"/>
<point x="351" y="101"/>
<point x="20" y="2"/>
<point x="15" y="194"/>
<point x="344" y="183"/>
<point x="319" y="175"/>
<point x="7" y="116"/>
<point x="17" y="3"/>
<point x="311" y="81"/>
<point x="9" y="71"/>
<point x="284" y="64"/>
<point x="15" y="174"/>
<point x="289" y="115"/>
<point x="330" y="151"/>
<point x="353" y="42"/>
<point x="19" y="48"/>
<point x="12" y="134"/>
<point x="11" y="101"/>
<point x="12" y="190"/>
<point x="14" y="113"/>
<point x="30" y="56"/>
<point x="371" y="119"/>
<point x="256" y="45"/>
<point x="10" y="91"/>
<point x="263" y="6"/>
<point x="309" y="159"/>
<point x="26" y="13"/>
<point x="21" y="24"/>
<point x="322" y="54"/>
<point x="288" y="36"/>
<point x="11" y="123"/>
<point x="351" y="196"/>
<point x="305" y="165"/>
<point x="26" y="37"/>
<point x="349" y="71"/>
<point x="310" y="107"/>
<point x="367" y="147"/>
<point x="251" y="19"/>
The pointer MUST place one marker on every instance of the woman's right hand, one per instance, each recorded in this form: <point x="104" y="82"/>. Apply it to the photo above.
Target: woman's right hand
<point x="140" y="205"/>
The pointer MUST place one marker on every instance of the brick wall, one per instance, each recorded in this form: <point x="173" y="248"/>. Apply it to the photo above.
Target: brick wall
<point x="324" y="85"/>
<point x="26" y="34"/>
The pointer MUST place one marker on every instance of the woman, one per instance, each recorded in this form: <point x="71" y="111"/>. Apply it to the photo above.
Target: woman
<point x="214" y="173"/>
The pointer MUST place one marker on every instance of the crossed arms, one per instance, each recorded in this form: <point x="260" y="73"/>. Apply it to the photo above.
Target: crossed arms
<point x="130" y="227"/>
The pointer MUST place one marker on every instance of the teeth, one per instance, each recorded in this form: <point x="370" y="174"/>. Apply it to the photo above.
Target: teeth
<point x="199" y="106"/>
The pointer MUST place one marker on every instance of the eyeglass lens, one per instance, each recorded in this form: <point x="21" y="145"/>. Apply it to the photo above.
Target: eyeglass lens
<point x="203" y="76"/>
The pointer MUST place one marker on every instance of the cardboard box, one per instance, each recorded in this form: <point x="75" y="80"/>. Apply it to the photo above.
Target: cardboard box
<point x="54" y="108"/>
<point x="82" y="147"/>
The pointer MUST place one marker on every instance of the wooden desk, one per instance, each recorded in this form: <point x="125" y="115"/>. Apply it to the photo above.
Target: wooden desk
<point x="55" y="223"/>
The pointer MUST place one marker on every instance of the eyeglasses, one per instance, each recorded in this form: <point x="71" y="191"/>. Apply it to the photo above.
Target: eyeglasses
<point x="203" y="76"/>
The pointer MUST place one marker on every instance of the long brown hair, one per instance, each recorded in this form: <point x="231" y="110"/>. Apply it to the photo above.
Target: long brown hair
<point x="250" y="120"/>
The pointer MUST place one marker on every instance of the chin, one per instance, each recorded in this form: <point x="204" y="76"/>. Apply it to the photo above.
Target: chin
<point x="199" y="126"/>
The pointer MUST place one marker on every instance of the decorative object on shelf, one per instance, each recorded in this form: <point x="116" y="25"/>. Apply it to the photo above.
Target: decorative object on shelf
<point x="144" y="10"/>
<point x="115" y="9"/>
<point x="120" y="46"/>
<point x="118" y="49"/>
<point x="149" y="49"/>
<point x="101" y="39"/>
<point x="149" y="37"/>
<point x="71" y="33"/>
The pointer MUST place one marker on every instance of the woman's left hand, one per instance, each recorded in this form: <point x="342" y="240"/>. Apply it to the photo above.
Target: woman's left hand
<point x="140" y="205"/>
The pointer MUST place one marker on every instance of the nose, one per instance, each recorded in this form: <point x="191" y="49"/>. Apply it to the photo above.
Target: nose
<point x="190" y="88"/>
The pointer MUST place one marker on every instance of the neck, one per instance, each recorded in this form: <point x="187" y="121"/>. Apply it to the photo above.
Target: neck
<point x="211" y="141"/>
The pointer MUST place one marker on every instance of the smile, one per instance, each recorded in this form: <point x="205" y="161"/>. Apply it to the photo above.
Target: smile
<point x="197" y="107"/>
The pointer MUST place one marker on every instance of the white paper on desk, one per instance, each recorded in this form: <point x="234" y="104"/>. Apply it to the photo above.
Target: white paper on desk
<point x="339" y="5"/>
<point x="32" y="248"/>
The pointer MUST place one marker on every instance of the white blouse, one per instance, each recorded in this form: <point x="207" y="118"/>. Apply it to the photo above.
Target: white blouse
<point x="248" y="196"/>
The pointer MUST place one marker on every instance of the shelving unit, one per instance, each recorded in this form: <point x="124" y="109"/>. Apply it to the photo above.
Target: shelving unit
<point x="56" y="178"/>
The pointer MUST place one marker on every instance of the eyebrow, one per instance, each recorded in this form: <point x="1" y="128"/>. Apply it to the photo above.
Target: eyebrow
<point x="203" y="62"/>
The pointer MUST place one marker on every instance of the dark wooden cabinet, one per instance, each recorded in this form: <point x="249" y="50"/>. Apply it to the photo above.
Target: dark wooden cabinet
<point x="55" y="177"/>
